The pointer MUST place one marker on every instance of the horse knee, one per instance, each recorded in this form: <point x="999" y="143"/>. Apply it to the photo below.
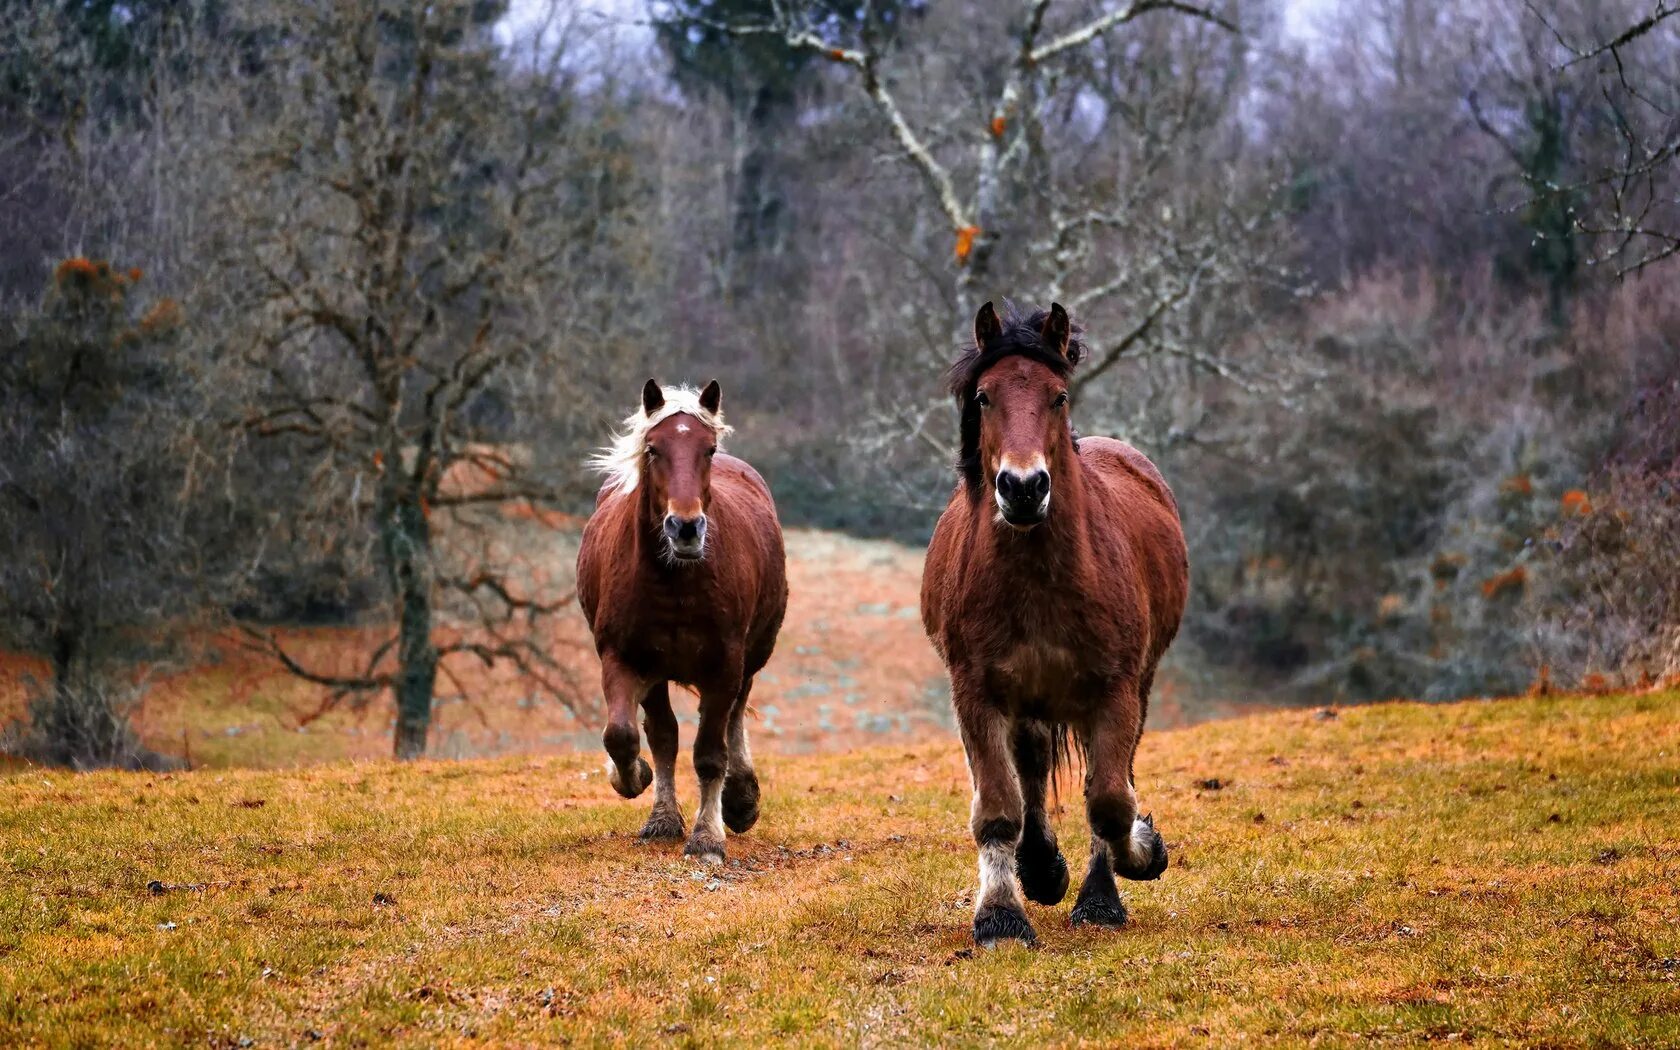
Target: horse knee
<point x="710" y="764"/>
<point x="1111" y="816"/>
<point x="622" y="742"/>
<point x="1002" y="831"/>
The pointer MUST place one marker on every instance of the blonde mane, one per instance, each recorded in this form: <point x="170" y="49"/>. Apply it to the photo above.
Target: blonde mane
<point x="621" y="461"/>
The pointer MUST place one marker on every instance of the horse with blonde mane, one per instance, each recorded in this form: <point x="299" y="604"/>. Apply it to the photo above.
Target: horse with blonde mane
<point x="682" y="578"/>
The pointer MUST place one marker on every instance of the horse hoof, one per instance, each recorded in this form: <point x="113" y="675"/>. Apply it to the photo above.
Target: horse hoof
<point x="995" y="923"/>
<point x="1094" y="911"/>
<point x="640" y="778"/>
<point x="1145" y="855"/>
<point x="704" y="851"/>
<point x="740" y="803"/>
<point x="1043" y="881"/>
<point x="662" y="826"/>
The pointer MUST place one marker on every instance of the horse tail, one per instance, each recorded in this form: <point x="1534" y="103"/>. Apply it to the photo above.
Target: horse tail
<point x="1066" y="751"/>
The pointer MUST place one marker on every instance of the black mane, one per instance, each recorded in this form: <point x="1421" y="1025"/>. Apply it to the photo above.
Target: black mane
<point x="1021" y="337"/>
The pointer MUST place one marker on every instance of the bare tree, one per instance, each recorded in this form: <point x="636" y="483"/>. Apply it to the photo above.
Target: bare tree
<point x="973" y="198"/>
<point x="410" y="209"/>
<point x="1632" y="187"/>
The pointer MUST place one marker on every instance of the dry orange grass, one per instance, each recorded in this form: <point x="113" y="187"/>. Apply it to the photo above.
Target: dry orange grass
<point x="1496" y="872"/>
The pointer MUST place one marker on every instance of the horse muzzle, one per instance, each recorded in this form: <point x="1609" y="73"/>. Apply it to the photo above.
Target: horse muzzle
<point x="1023" y="498"/>
<point x="686" y="537"/>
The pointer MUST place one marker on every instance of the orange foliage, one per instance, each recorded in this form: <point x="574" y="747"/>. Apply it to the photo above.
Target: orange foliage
<point x="1595" y="683"/>
<point x="998" y="124"/>
<point x="1576" y="502"/>
<point x="1543" y="684"/>
<point x="1390" y="606"/>
<point x="1517" y="485"/>
<point x="838" y="54"/>
<point x="164" y="314"/>
<point x="78" y="267"/>
<point x="965" y="242"/>
<point x="1504" y="583"/>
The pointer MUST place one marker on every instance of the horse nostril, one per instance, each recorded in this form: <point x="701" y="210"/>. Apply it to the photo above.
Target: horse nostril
<point x="1018" y="488"/>
<point x="684" y="530"/>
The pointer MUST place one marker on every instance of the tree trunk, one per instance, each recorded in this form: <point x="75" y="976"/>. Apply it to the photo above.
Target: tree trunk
<point x="408" y="551"/>
<point x="64" y="730"/>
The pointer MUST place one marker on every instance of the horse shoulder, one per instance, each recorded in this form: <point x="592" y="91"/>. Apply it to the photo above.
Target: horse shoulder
<point x="939" y="566"/>
<point x="1117" y="461"/>
<point x="602" y="549"/>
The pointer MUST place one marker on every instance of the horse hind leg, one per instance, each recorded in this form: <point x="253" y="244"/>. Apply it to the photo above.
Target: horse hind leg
<point x="711" y="765"/>
<point x="1038" y="859"/>
<point x="740" y="784"/>
<point x="1099" y="901"/>
<point x="665" y="823"/>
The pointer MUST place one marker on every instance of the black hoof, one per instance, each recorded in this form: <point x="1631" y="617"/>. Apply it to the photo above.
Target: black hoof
<point x="1143" y="831"/>
<point x="641" y="776"/>
<point x="1098" y="911"/>
<point x="996" y="923"/>
<point x="740" y="802"/>
<point x="663" y="825"/>
<point x="706" y="851"/>
<point x="1044" y="878"/>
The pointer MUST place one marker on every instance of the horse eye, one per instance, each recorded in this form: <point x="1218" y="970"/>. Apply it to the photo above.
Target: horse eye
<point x="653" y="453"/>
<point x="1061" y="399"/>
<point x="981" y="399"/>
<point x="711" y="452"/>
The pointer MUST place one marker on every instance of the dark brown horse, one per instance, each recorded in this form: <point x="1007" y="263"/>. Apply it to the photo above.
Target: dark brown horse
<point x="682" y="578"/>
<point x="1056" y="579"/>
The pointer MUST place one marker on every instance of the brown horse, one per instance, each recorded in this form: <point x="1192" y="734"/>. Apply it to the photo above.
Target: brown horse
<point x="1055" y="580"/>
<point x="682" y="578"/>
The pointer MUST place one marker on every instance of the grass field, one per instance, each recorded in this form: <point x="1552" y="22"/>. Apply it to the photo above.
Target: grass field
<point x="1492" y="871"/>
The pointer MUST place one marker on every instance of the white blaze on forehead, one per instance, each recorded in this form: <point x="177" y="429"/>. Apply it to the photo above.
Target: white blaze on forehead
<point x="682" y="428"/>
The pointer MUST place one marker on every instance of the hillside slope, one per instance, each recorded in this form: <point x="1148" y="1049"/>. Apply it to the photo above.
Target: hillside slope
<point x="1491" y="871"/>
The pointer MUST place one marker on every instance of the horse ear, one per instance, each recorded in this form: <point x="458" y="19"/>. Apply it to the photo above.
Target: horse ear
<point x="653" y="398"/>
<point x="987" y="327"/>
<point x="1056" y="330"/>
<point x="711" y="398"/>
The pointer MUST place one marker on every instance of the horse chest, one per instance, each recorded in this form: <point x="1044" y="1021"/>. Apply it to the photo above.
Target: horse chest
<point x="675" y="635"/>
<point x="1035" y="670"/>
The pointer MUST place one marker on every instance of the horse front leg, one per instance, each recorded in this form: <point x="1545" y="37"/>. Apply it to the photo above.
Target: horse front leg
<point x="995" y="819"/>
<point x="666" y="821"/>
<point x="1122" y="843"/>
<point x="711" y="766"/>
<point x="623" y="688"/>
